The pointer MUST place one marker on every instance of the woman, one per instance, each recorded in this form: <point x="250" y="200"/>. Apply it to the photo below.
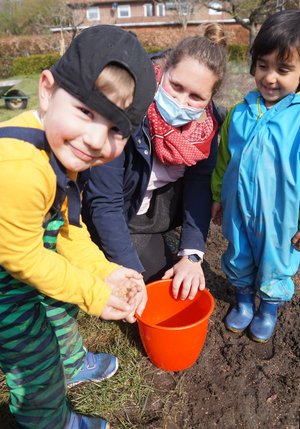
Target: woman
<point x="162" y="179"/>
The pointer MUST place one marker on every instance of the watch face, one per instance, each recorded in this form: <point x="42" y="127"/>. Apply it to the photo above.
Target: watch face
<point x="194" y="258"/>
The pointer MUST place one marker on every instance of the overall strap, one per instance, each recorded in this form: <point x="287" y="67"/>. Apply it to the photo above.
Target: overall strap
<point x="65" y="186"/>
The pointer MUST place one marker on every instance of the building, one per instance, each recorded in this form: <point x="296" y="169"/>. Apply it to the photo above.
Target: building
<point x="128" y="13"/>
<point x="152" y="16"/>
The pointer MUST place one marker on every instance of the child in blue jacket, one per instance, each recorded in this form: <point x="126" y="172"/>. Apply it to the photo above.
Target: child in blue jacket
<point x="256" y="182"/>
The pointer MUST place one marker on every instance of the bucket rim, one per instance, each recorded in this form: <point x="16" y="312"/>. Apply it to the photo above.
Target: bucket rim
<point x="180" y="328"/>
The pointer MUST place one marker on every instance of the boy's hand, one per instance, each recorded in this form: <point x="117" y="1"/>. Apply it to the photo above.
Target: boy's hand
<point x="124" y="278"/>
<point x="296" y="241"/>
<point x="116" y="309"/>
<point x="140" y="302"/>
<point x="125" y="285"/>
<point x="216" y="213"/>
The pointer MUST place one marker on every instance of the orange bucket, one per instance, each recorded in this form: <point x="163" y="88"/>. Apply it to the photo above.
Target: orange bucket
<point x="173" y="331"/>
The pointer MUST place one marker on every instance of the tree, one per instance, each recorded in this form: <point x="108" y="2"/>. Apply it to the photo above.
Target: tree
<point x="64" y="17"/>
<point x="184" y="10"/>
<point x="36" y="16"/>
<point x="23" y="16"/>
<point x="8" y="17"/>
<point x="248" y="13"/>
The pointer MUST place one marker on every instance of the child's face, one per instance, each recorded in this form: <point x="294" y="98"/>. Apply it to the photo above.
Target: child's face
<point x="79" y="137"/>
<point x="276" y="79"/>
<point x="190" y="83"/>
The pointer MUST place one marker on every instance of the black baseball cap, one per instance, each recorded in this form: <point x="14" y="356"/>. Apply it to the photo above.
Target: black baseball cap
<point x="88" y="54"/>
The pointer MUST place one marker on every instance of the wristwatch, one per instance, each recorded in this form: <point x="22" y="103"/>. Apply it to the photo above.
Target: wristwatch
<point x="194" y="258"/>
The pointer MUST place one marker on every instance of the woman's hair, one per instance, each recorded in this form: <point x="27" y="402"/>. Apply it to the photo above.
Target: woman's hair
<point x="117" y="84"/>
<point x="280" y="32"/>
<point x="209" y="50"/>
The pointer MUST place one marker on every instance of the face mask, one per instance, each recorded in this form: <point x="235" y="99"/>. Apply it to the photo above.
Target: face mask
<point x="172" y="112"/>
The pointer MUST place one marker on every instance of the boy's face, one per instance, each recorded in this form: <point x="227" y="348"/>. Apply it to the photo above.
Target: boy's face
<point x="78" y="136"/>
<point x="276" y="79"/>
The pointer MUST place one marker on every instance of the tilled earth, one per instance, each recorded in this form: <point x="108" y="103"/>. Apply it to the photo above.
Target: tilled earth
<point x="237" y="383"/>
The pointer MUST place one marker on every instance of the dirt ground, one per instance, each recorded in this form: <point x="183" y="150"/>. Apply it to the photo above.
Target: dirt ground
<point x="236" y="383"/>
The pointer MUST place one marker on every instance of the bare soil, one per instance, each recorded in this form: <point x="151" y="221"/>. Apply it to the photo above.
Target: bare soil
<point x="235" y="382"/>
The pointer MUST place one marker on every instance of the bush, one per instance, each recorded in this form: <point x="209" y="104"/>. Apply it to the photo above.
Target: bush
<point x="37" y="63"/>
<point x="154" y="49"/>
<point x="33" y="64"/>
<point x="238" y="53"/>
<point x="6" y="68"/>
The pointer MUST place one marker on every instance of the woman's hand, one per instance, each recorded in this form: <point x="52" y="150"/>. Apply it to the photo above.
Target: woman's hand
<point x="296" y="241"/>
<point x="188" y="278"/>
<point x="216" y="213"/>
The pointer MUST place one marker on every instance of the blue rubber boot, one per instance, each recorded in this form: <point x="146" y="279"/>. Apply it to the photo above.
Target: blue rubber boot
<point x="96" y="367"/>
<point x="264" y="321"/>
<point x="240" y="316"/>
<point x="79" y="421"/>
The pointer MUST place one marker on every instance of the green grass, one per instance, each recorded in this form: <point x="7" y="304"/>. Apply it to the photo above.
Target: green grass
<point x="125" y="399"/>
<point x="130" y="399"/>
<point x="29" y="85"/>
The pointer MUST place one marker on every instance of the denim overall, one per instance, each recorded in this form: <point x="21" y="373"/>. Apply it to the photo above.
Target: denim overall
<point x="39" y="340"/>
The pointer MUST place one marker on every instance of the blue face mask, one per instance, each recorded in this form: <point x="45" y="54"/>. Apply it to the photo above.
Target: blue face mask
<point x="172" y="112"/>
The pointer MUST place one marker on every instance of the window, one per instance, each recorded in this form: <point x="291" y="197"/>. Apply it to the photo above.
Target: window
<point x="213" y="11"/>
<point x="93" y="13"/>
<point x="148" y="9"/>
<point x="160" y="9"/>
<point x="124" y="11"/>
<point x="170" y="5"/>
<point x="184" y="9"/>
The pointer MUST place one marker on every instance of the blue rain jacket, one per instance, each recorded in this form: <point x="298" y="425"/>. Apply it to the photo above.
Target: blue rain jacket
<point x="257" y="177"/>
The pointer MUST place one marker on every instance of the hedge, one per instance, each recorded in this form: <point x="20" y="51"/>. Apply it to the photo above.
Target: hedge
<point x="238" y="53"/>
<point x="37" y="63"/>
<point x="33" y="64"/>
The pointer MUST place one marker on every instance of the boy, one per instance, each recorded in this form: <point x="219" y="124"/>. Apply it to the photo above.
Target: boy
<point x="90" y="102"/>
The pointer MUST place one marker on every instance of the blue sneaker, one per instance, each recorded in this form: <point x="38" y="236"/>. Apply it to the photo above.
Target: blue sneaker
<point x="96" y="367"/>
<point x="79" y="421"/>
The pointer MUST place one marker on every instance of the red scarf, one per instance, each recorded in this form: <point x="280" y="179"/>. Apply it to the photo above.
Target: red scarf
<point x="185" y="145"/>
